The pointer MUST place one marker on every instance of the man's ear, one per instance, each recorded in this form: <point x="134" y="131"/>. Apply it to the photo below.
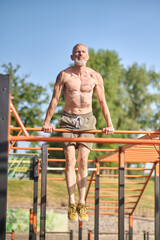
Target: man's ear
<point x="72" y="57"/>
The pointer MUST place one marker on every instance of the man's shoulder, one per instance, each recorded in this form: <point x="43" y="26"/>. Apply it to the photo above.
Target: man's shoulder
<point x="62" y="75"/>
<point x="90" y="70"/>
<point x="93" y="73"/>
<point x="67" y="70"/>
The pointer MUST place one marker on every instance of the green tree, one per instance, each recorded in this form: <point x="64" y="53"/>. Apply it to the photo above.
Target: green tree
<point x="28" y="98"/>
<point x="142" y="101"/>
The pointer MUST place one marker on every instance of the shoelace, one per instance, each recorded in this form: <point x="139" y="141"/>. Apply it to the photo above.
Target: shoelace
<point x="73" y="208"/>
<point x="75" y="121"/>
<point x="83" y="208"/>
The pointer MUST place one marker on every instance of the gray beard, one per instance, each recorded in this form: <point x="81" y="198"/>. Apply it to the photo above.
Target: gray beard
<point x="80" y="63"/>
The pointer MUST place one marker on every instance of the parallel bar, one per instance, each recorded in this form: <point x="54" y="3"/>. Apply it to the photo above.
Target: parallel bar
<point x="121" y="196"/>
<point x="92" y="131"/>
<point x="4" y="121"/>
<point x="94" y="140"/>
<point x="43" y="192"/>
<point x="61" y="149"/>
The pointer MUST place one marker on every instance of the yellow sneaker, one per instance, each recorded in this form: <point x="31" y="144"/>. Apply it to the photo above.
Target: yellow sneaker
<point x="72" y="212"/>
<point x="82" y="212"/>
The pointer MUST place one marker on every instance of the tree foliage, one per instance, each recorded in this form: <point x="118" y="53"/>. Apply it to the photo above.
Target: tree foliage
<point x="132" y="94"/>
<point x="142" y="97"/>
<point x="28" y="98"/>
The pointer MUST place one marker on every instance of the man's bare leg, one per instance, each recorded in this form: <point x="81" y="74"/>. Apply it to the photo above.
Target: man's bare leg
<point x="82" y="174"/>
<point x="70" y="172"/>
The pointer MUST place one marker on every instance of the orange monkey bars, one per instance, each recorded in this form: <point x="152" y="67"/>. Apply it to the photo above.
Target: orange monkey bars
<point x="142" y="150"/>
<point x="145" y="149"/>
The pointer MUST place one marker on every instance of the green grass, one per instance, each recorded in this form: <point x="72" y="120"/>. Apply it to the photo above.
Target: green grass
<point x="20" y="192"/>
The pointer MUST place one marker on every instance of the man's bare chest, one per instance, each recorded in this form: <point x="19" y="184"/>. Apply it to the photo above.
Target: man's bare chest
<point x="81" y="84"/>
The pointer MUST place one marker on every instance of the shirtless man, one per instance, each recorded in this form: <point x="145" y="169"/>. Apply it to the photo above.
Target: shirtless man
<point x="78" y="84"/>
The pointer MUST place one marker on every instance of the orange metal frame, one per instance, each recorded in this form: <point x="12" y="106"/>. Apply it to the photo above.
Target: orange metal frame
<point x="145" y="149"/>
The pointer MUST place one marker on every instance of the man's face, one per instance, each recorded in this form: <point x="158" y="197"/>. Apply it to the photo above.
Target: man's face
<point x="80" y="55"/>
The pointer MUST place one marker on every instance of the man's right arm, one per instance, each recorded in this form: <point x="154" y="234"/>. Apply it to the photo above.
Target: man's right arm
<point x="58" y="88"/>
<point x="102" y="102"/>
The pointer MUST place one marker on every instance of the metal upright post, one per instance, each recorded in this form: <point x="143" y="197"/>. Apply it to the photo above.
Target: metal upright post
<point x="80" y="230"/>
<point x="89" y="235"/>
<point x="156" y="201"/>
<point x="158" y="196"/>
<point x="4" y="122"/>
<point x="43" y="192"/>
<point x="12" y="235"/>
<point x="35" y="195"/>
<point x="96" y="215"/>
<point x="130" y="227"/>
<point x="121" y="196"/>
<point x="71" y="234"/>
<point x="31" y="225"/>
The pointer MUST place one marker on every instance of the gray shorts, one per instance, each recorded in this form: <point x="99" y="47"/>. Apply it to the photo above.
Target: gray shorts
<point x="76" y="122"/>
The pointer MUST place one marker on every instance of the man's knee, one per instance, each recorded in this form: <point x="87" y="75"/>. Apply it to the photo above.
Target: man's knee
<point x="70" y="158"/>
<point x="70" y="164"/>
<point x="82" y="162"/>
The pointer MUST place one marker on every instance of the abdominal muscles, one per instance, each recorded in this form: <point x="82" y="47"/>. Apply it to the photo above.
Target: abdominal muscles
<point x="78" y="100"/>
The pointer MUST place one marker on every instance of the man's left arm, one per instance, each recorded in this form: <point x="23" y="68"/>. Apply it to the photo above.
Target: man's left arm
<point x="102" y="102"/>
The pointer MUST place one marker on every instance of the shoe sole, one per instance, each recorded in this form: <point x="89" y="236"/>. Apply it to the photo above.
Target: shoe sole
<point x="82" y="220"/>
<point x="73" y="221"/>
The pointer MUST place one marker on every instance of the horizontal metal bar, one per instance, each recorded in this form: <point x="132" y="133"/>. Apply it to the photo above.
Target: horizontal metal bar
<point x="94" y="140"/>
<point x="103" y="201"/>
<point x="108" y="168"/>
<point x="107" y="213"/>
<point x="61" y="169"/>
<point x="62" y="179"/>
<point x="108" y="182"/>
<point x="61" y="149"/>
<point x="139" y="169"/>
<point x="92" y="195"/>
<point x="90" y="131"/>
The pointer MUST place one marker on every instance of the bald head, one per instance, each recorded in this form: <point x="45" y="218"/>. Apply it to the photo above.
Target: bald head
<point x="77" y="45"/>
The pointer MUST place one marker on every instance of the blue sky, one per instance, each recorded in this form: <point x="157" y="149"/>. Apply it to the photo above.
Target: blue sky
<point x="39" y="35"/>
